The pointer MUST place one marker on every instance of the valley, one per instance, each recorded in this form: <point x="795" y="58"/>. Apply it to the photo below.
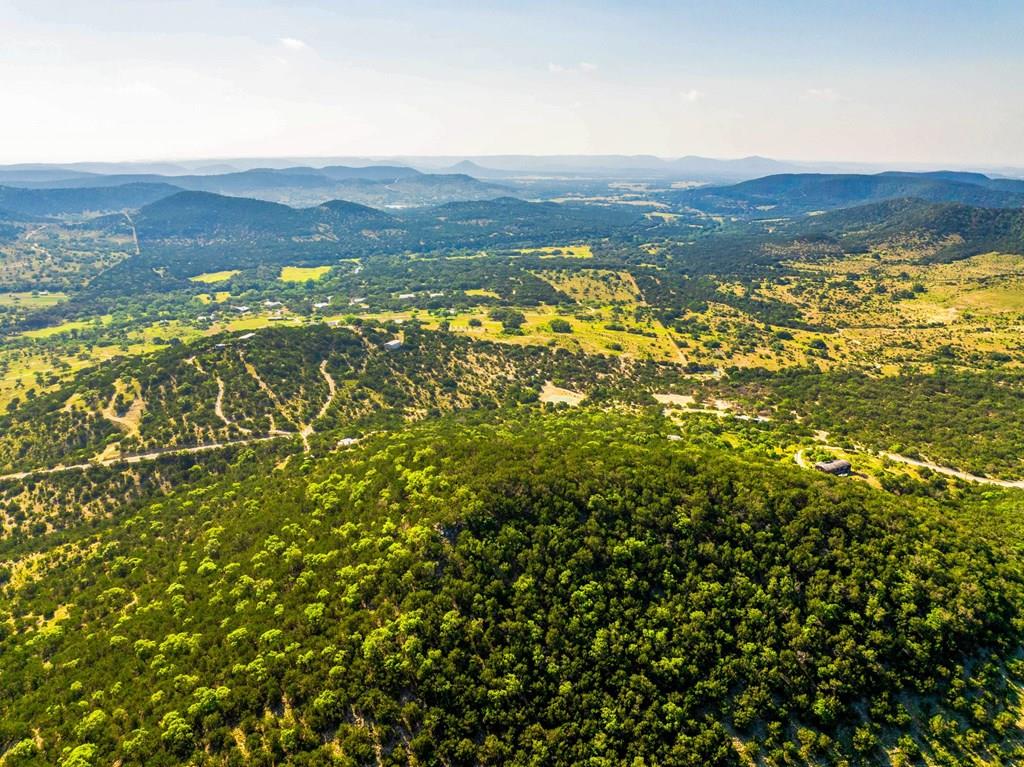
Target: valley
<point x="498" y="480"/>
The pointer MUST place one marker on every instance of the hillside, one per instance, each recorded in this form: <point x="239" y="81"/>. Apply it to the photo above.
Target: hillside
<point x="559" y="589"/>
<point x="278" y="382"/>
<point x="56" y="202"/>
<point x="798" y="193"/>
<point x="948" y="230"/>
<point x="208" y="217"/>
<point x="195" y="232"/>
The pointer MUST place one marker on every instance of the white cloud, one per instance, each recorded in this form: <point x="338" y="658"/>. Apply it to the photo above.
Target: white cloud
<point x="693" y="95"/>
<point x="293" y="44"/>
<point x="583" y="67"/>
<point x="823" y="94"/>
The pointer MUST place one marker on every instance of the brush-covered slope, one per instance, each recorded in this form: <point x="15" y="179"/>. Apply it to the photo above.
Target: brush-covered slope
<point x="285" y="382"/>
<point x="195" y="232"/>
<point x="211" y="217"/>
<point x="555" y="590"/>
<point x="797" y="193"/>
<point x="56" y="202"/>
<point x="944" y="231"/>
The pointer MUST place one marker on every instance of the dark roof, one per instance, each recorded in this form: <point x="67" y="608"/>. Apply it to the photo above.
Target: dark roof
<point x="837" y="466"/>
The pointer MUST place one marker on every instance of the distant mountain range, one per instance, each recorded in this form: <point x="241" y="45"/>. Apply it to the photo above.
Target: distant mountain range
<point x="495" y="167"/>
<point x="610" y="166"/>
<point x="378" y="185"/>
<point x="799" y="193"/>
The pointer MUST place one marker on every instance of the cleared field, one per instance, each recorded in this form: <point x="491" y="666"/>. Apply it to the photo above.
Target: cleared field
<point x="590" y="331"/>
<point x="894" y="311"/>
<point x="227" y="274"/>
<point x="219" y="296"/>
<point x="601" y="286"/>
<point x="302" y="273"/>
<point x="31" y="300"/>
<point x="65" y="327"/>
<point x="559" y="396"/>
<point x="561" y="251"/>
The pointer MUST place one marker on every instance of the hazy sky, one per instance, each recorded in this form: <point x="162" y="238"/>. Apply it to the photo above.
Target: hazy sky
<point x="931" y="81"/>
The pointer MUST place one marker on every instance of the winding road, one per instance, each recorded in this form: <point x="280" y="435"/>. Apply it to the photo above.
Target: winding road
<point x="954" y="472"/>
<point x="142" y="457"/>
<point x="801" y="461"/>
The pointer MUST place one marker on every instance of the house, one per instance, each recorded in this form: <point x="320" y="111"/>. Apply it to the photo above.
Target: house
<point x="393" y="344"/>
<point x="838" y="467"/>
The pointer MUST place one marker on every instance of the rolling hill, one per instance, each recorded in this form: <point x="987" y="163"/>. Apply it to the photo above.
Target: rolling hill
<point x="799" y="193"/>
<point x="81" y="200"/>
<point x="515" y="588"/>
<point x="948" y="231"/>
<point x="194" y="232"/>
<point x="207" y="217"/>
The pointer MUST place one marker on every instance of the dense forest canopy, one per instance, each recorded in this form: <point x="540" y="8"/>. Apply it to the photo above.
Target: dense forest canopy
<point x="394" y="600"/>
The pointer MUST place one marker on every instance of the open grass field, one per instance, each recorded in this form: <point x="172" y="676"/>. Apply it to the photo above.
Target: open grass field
<point x="600" y="286"/>
<point x="893" y="310"/>
<point x="218" y="297"/>
<point x="66" y="327"/>
<point x="590" y="332"/>
<point x="302" y="273"/>
<point x="32" y="300"/>
<point x="561" y="251"/>
<point x="211" y="277"/>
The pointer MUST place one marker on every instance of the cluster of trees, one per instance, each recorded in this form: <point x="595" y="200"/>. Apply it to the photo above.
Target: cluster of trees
<point x="559" y="589"/>
<point x="973" y="421"/>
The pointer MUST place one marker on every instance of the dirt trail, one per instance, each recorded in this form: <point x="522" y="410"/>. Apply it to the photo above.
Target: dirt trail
<point x="218" y="408"/>
<point x="34" y="232"/>
<point x="275" y="400"/>
<point x="142" y="457"/>
<point x="801" y="461"/>
<point x="332" y="389"/>
<point x="135" y="235"/>
<point x="195" y="363"/>
<point x="307" y="429"/>
<point x="950" y="472"/>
